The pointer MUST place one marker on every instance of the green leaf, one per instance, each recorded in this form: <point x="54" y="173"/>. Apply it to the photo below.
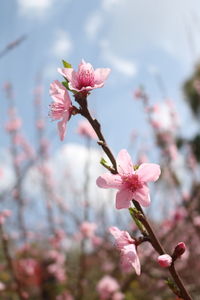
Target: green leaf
<point x="135" y="214"/>
<point x="65" y="83"/>
<point x="66" y="64"/>
<point x="103" y="162"/>
<point x="135" y="167"/>
<point x="171" y="284"/>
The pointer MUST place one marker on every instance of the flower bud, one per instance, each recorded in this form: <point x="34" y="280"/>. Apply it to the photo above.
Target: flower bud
<point x="164" y="260"/>
<point x="179" y="250"/>
<point x="6" y="213"/>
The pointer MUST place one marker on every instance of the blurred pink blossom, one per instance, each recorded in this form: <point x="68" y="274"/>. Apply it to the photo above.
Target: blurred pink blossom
<point x="14" y="125"/>
<point x="61" y="108"/>
<point x="40" y="124"/>
<point x="127" y="248"/>
<point x="4" y="214"/>
<point x="108" y="266"/>
<point x="29" y="271"/>
<point x="118" y="296"/>
<point x="86" y="78"/>
<point x="131" y="183"/>
<point x="2" y="286"/>
<point x="97" y="241"/>
<point x="196" y="221"/>
<point x="86" y="130"/>
<point x="57" y="266"/>
<point x="138" y="93"/>
<point x="87" y="229"/>
<point x="106" y="287"/>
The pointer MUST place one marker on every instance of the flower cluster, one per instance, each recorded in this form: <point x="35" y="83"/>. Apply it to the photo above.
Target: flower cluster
<point x="82" y="81"/>
<point x="130" y="180"/>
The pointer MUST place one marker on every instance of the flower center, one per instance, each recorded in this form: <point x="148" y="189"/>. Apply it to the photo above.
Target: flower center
<point x="133" y="182"/>
<point x="86" y="78"/>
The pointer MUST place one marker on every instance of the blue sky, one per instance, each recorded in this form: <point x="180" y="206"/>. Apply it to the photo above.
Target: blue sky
<point x="134" y="38"/>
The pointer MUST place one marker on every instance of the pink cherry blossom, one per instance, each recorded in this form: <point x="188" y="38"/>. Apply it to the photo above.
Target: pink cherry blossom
<point x="126" y="246"/>
<point x="86" y="78"/>
<point x="106" y="287"/>
<point x="86" y="130"/>
<point x="14" y="125"/>
<point x="61" y="108"/>
<point x="87" y="229"/>
<point x="118" y="296"/>
<point x="132" y="184"/>
<point x="96" y="241"/>
<point x="4" y="214"/>
<point x="57" y="266"/>
<point x="164" y="260"/>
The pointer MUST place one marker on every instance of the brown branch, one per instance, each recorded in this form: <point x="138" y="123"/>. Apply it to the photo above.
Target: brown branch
<point x="12" y="45"/>
<point x="97" y="128"/>
<point x="10" y="263"/>
<point x="82" y="100"/>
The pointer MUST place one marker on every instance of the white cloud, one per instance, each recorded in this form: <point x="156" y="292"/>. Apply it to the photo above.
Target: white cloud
<point x="110" y="4"/>
<point x="7" y="175"/>
<point x="153" y="70"/>
<point x="69" y="175"/>
<point x="93" y="24"/>
<point x="136" y="27"/>
<point x="118" y="63"/>
<point x="34" y="7"/>
<point x="63" y="45"/>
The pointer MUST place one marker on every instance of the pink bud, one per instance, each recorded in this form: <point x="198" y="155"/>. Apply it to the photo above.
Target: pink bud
<point x="179" y="250"/>
<point x="6" y="213"/>
<point x="164" y="260"/>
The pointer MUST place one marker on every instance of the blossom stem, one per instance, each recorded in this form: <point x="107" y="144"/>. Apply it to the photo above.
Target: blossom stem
<point x="158" y="247"/>
<point x="97" y="128"/>
<point x="9" y="262"/>
<point x="82" y="101"/>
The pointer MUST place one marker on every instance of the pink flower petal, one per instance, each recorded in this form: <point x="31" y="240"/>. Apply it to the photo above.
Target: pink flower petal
<point x="108" y="180"/>
<point x="123" y="238"/>
<point x="115" y="232"/>
<point x="124" y="163"/>
<point x="123" y="199"/>
<point x="142" y="196"/>
<point x="129" y="258"/>
<point x="66" y="72"/>
<point x="85" y="66"/>
<point x="149" y="172"/>
<point x="60" y="94"/>
<point x="136" y="265"/>
<point x="100" y="75"/>
<point x="57" y="91"/>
